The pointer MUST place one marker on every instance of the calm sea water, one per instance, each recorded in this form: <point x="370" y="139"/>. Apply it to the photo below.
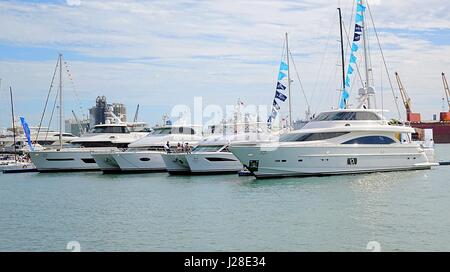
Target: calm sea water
<point x="403" y="211"/>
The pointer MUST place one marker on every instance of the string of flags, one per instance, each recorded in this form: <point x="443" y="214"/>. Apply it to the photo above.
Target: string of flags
<point x="359" y="17"/>
<point x="279" y="95"/>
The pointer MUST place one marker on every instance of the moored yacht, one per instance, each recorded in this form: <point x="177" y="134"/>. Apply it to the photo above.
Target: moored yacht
<point x="211" y="155"/>
<point x="78" y="156"/>
<point x="342" y="141"/>
<point x="144" y="155"/>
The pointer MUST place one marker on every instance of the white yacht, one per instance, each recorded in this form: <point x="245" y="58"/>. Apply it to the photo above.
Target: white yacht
<point x="78" y="157"/>
<point x="211" y="155"/>
<point x="343" y="141"/>
<point x="144" y="155"/>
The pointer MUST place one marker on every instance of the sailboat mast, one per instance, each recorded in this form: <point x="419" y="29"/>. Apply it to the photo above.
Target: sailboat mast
<point x="13" y="123"/>
<point x="366" y="58"/>
<point x="60" y="103"/>
<point x="342" y="51"/>
<point x="289" y="83"/>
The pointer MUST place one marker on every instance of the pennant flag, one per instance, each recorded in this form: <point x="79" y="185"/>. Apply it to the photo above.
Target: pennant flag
<point x="283" y="66"/>
<point x="358" y="28"/>
<point x="359" y="18"/>
<point x="280" y="86"/>
<point x="354" y="47"/>
<point x="280" y="96"/>
<point x="357" y="37"/>
<point x="343" y="102"/>
<point x="269" y="121"/>
<point x="352" y="58"/>
<point x="274" y="114"/>
<point x="360" y="8"/>
<point x="275" y="105"/>
<point x="26" y="130"/>
<point x="281" y="75"/>
<point x="347" y="81"/>
<point x="350" y="70"/>
<point x="345" y="94"/>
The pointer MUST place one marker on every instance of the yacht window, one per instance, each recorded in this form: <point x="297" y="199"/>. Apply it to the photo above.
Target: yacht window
<point x="371" y="140"/>
<point x="186" y="130"/>
<point x="207" y="148"/>
<point x="306" y="137"/>
<point x="346" y="116"/>
<point x="162" y="131"/>
<point x="110" y="130"/>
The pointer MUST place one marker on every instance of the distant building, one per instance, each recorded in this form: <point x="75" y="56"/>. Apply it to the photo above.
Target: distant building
<point x="100" y="113"/>
<point x="75" y="128"/>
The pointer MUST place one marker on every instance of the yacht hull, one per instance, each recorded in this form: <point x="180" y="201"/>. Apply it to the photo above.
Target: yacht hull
<point x="64" y="160"/>
<point x="213" y="162"/>
<point x="140" y="161"/>
<point x="106" y="162"/>
<point x="266" y="162"/>
<point x="176" y="163"/>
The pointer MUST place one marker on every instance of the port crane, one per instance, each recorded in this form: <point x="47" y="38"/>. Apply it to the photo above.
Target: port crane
<point x="406" y="99"/>
<point x="446" y="90"/>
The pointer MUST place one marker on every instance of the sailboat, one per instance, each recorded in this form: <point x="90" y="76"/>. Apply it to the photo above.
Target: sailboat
<point x="20" y="164"/>
<point x="77" y="156"/>
<point x="343" y="141"/>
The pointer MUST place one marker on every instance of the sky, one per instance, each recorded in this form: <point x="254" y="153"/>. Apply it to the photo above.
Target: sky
<point x="163" y="53"/>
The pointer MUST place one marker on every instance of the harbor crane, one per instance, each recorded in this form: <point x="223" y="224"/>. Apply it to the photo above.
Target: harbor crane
<point x="446" y="90"/>
<point x="410" y="116"/>
<point x="406" y="99"/>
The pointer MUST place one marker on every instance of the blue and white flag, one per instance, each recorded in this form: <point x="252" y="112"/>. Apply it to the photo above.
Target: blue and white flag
<point x="352" y="58"/>
<point x="355" y="47"/>
<point x="359" y="18"/>
<point x="275" y="105"/>
<point x="350" y="70"/>
<point x="280" y="96"/>
<point x="358" y="28"/>
<point x="26" y="130"/>
<point x="360" y="8"/>
<point x="281" y="75"/>
<point x="283" y="66"/>
<point x="357" y="37"/>
<point x="280" y="86"/>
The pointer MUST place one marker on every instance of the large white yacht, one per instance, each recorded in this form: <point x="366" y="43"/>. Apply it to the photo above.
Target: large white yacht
<point x="78" y="157"/>
<point x="211" y="155"/>
<point x="337" y="142"/>
<point x="144" y="155"/>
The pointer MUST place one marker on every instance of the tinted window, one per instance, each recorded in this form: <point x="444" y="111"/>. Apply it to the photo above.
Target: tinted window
<point x="306" y="137"/>
<point x="347" y="116"/>
<point x="371" y="140"/>
<point x="110" y="130"/>
<point x="207" y="148"/>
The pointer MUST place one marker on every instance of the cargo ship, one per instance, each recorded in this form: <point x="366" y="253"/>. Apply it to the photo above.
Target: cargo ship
<point x="441" y="127"/>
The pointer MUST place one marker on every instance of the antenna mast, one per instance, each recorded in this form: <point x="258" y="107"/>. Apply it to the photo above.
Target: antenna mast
<point x="342" y="52"/>
<point x="13" y="123"/>
<point x="289" y="83"/>
<point x="61" y="117"/>
<point x="368" y="91"/>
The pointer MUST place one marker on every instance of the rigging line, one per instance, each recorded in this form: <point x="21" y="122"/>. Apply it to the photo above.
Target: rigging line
<point x="322" y="61"/>
<point x="299" y="81"/>
<point x="46" y="101"/>
<point x="51" y="116"/>
<point x="384" y="60"/>
<point x="66" y="64"/>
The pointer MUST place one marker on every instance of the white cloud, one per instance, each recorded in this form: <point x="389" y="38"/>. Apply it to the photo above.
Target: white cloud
<point x="219" y="49"/>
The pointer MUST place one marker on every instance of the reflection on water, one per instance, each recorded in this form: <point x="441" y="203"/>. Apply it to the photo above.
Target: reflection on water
<point x="157" y="212"/>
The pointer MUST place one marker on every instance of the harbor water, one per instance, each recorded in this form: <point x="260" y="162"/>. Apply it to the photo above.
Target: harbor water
<point x="400" y="211"/>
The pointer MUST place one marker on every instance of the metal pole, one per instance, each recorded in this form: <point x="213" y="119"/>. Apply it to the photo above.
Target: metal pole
<point x="289" y="83"/>
<point x="342" y="52"/>
<point x="13" y="123"/>
<point x="60" y="103"/>
<point x="366" y="58"/>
